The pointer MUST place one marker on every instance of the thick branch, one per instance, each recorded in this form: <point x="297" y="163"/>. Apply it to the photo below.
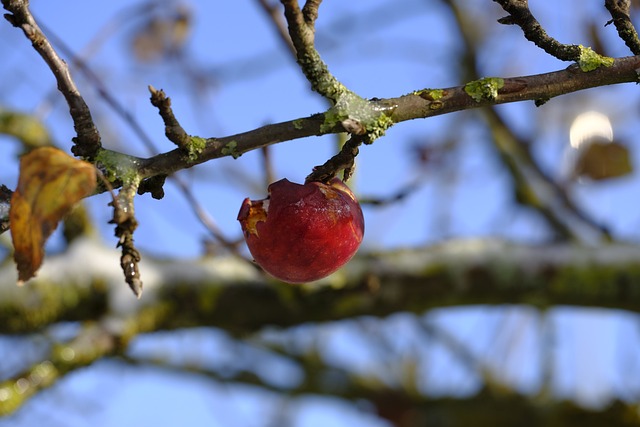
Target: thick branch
<point x="198" y="293"/>
<point x="419" y="104"/>
<point x="87" y="142"/>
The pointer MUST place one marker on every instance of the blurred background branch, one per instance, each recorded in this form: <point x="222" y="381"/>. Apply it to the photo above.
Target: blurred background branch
<point x="497" y="284"/>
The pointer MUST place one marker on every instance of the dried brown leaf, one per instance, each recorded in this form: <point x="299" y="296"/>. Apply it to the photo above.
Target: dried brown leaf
<point x="50" y="184"/>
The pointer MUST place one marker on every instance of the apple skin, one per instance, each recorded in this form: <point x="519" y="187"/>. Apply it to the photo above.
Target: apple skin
<point x="301" y="233"/>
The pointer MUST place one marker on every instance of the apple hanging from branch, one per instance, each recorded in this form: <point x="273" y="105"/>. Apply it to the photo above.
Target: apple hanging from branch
<point x="301" y="233"/>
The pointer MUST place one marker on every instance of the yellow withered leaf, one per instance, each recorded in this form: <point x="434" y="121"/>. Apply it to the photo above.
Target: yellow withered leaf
<point x="50" y="184"/>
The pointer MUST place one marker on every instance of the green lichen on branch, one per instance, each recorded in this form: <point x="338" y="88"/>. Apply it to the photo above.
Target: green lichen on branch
<point x="359" y="116"/>
<point x="484" y="89"/>
<point x="195" y="147"/>
<point x="117" y="166"/>
<point x="231" y="149"/>
<point x="317" y="73"/>
<point x="297" y="124"/>
<point x="378" y="128"/>
<point x="590" y="60"/>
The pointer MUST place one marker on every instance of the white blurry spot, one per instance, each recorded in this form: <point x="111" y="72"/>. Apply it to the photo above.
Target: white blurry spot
<point x="589" y="125"/>
<point x="586" y="128"/>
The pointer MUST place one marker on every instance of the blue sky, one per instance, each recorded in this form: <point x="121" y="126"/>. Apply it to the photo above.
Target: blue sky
<point x="383" y="51"/>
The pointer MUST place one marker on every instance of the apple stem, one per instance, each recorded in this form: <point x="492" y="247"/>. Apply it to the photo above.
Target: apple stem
<point x="344" y="160"/>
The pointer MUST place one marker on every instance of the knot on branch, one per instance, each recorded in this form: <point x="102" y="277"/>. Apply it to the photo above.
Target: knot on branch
<point x="153" y="185"/>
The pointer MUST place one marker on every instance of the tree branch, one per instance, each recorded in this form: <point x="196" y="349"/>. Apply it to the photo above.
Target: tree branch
<point x="619" y="10"/>
<point x="301" y="29"/>
<point x="208" y="293"/>
<point x="126" y="223"/>
<point x="172" y="128"/>
<point x="344" y="160"/>
<point x="418" y="104"/>
<point x="519" y="14"/>
<point x="532" y="187"/>
<point x="87" y="141"/>
<point x="278" y="23"/>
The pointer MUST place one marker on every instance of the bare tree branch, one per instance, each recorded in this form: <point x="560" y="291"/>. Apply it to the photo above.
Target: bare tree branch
<point x="172" y="128"/>
<point x="302" y="32"/>
<point x="519" y="14"/>
<point x="418" y="104"/>
<point x="185" y="293"/>
<point x="126" y="223"/>
<point x="344" y="160"/>
<point x="87" y="142"/>
<point x="278" y="23"/>
<point x="619" y="10"/>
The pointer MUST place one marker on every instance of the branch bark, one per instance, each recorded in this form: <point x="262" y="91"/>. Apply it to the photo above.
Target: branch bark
<point x="619" y="10"/>
<point x="87" y="141"/>
<point x="519" y="14"/>
<point x="416" y="105"/>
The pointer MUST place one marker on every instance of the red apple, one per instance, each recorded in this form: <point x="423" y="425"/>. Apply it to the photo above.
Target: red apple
<point x="301" y="233"/>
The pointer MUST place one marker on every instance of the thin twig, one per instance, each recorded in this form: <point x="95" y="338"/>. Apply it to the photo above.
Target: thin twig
<point x="619" y="10"/>
<point x="520" y="15"/>
<point x="267" y="162"/>
<point x="104" y="92"/>
<point x="302" y="32"/>
<point x="344" y="160"/>
<point x="153" y="185"/>
<point x="172" y="128"/>
<point x="209" y="223"/>
<point x="87" y="141"/>
<point x="401" y="194"/>
<point x="536" y="190"/>
<point x="126" y="223"/>
<point x="279" y="24"/>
